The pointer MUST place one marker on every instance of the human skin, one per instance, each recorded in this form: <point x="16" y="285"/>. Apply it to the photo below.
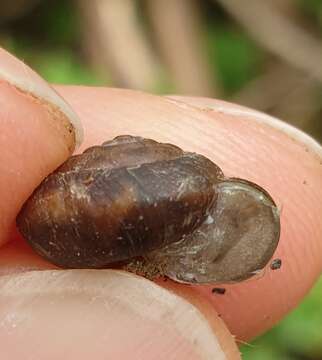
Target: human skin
<point x="100" y="314"/>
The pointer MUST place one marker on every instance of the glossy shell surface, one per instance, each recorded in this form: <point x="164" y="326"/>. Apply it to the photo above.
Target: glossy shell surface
<point x="136" y="200"/>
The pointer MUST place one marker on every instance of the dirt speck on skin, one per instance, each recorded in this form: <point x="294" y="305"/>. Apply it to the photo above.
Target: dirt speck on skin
<point x="276" y="264"/>
<point x="207" y="109"/>
<point x="218" y="290"/>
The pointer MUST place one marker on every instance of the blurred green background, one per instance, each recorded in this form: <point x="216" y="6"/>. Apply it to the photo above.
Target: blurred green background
<point x="206" y="48"/>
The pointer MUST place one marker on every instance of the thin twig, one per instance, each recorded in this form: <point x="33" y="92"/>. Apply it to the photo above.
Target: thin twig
<point x="178" y="31"/>
<point x="117" y="43"/>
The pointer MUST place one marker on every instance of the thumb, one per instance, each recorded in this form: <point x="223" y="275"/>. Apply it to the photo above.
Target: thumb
<point x="38" y="131"/>
<point x="106" y="314"/>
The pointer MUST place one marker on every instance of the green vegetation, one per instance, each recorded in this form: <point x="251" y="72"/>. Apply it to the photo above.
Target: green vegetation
<point x="234" y="57"/>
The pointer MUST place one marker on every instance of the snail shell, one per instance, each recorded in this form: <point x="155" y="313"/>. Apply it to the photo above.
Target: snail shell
<point x="133" y="198"/>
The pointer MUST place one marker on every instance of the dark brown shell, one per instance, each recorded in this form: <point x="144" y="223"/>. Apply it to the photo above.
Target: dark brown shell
<point x="152" y="209"/>
<point x="118" y="201"/>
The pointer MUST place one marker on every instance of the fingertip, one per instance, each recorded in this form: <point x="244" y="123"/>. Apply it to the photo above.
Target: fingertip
<point x="38" y="131"/>
<point x="287" y="163"/>
<point x="122" y="316"/>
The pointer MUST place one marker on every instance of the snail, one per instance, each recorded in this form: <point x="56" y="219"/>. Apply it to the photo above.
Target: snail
<point x="154" y="209"/>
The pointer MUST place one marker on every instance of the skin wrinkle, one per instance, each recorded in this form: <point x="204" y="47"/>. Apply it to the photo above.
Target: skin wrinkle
<point x="238" y="111"/>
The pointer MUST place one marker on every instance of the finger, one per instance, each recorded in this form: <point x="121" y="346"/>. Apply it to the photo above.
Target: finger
<point x="270" y="157"/>
<point x="283" y="161"/>
<point x="288" y="163"/>
<point x="37" y="132"/>
<point x="103" y="314"/>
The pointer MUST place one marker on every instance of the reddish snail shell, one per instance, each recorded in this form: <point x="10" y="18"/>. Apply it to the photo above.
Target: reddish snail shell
<point x="134" y="200"/>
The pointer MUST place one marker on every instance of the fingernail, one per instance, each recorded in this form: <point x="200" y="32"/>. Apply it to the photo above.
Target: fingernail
<point x="99" y="314"/>
<point x="26" y="80"/>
